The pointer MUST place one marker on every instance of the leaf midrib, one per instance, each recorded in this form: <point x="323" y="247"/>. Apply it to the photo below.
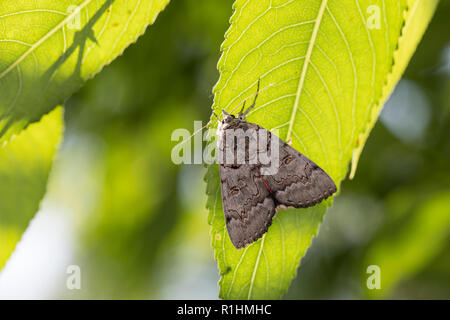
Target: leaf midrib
<point x="252" y="281"/>
<point x="305" y="67"/>
<point x="295" y="108"/>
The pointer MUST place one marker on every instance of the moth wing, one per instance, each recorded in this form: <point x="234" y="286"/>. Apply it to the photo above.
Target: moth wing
<point x="298" y="182"/>
<point x="247" y="204"/>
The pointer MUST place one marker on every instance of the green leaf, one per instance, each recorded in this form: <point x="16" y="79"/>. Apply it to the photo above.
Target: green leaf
<point x="25" y="163"/>
<point x="50" y="48"/>
<point x="417" y="17"/>
<point x="324" y="77"/>
<point x="264" y="269"/>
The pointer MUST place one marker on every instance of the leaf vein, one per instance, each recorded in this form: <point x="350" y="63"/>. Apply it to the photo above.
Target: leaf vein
<point x="42" y="40"/>
<point x="305" y="66"/>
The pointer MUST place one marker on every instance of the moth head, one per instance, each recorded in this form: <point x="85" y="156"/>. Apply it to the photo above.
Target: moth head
<point x="227" y="118"/>
<point x="241" y="117"/>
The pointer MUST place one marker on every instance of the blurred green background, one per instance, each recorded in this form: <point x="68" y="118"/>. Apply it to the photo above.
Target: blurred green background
<point x="136" y="223"/>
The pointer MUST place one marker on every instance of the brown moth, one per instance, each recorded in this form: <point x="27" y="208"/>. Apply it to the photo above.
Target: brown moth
<point x="252" y="194"/>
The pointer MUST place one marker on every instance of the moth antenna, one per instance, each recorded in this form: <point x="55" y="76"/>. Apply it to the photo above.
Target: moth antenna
<point x="254" y="101"/>
<point x="231" y="112"/>
<point x="249" y="108"/>
<point x="199" y="130"/>
<point x="242" y="109"/>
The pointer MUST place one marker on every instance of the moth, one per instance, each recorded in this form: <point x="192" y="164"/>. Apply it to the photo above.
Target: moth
<point x="251" y="194"/>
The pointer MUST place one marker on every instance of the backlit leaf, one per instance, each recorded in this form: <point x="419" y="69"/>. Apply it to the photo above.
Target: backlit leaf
<point x="326" y="68"/>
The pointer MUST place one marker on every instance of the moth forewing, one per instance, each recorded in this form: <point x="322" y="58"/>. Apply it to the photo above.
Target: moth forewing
<point x="260" y="174"/>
